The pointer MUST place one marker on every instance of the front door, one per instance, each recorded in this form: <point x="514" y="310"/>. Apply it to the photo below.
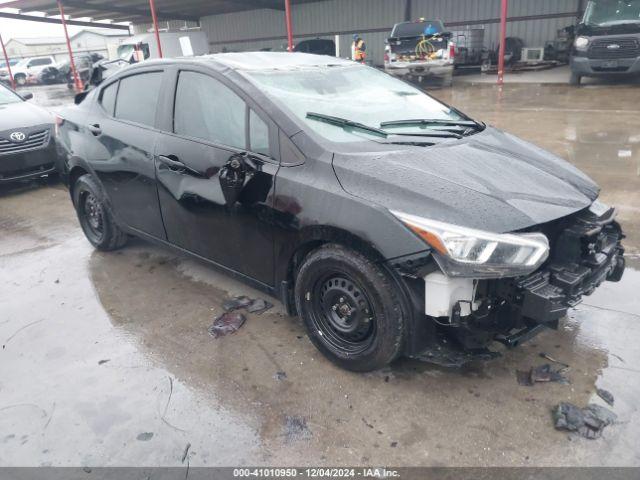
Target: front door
<point x="215" y="174"/>
<point x="122" y="134"/>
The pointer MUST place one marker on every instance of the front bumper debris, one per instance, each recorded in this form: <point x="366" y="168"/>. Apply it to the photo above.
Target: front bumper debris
<point x="586" y="250"/>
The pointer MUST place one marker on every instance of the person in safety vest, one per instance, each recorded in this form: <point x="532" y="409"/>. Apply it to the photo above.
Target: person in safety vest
<point x="358" y="49"/>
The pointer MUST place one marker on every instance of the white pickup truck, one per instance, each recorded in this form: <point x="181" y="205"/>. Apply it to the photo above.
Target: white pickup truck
<point x="417" y="51"/>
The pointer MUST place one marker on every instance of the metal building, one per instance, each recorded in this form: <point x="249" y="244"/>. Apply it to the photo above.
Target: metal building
<point x="535" y="21"/>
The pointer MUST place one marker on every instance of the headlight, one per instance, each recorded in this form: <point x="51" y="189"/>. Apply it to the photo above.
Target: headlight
<point x="465" y="252"/>
<point x="581" y="43"/>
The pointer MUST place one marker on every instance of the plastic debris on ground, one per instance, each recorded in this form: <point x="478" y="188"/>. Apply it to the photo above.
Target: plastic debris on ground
<point x="588" y="422"/>
<point x="236" y="303"/>
<point x="258" y="306"/>
<point x="542" y="373"/>
<point x="225" y="324"/>
<point x="280" y="375"/>
<point x="252" y="305"/>
<point x="605" y="395"/>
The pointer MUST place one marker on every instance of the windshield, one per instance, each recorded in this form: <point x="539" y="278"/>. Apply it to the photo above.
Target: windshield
<point x="604" y="13"/>
<point x="7" y="96"/>
<point x="355" y="92"/>
<point x="126" y="51"/>
<point x="416" y="29"/>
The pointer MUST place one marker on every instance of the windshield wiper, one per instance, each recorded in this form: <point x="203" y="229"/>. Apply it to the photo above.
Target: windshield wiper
<point x="434" y="121"/>
<point x="346" y="124"/>
<point x="468" y="126"/>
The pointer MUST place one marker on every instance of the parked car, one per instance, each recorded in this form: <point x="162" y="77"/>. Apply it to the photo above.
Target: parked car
<point x="392" y="226"/>
<point x="27" y="69"/>
<point x="420" y="50"/>
<point x="26" y="148"/>
<point x="607" y="40"/>
<point x="61" y="72"/>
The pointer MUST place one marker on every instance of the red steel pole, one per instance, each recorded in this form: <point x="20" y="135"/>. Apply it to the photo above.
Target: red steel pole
<point x="77" y="82"/>
<point x="6" y="59"/>
<point x="503" y="41"/>
<point x="287" y="10"/>
<point x="152" y="6"/>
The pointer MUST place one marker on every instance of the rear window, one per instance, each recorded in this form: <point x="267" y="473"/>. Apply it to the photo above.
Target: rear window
<point x="137" y="98"/>
<point x="416" y="29"/>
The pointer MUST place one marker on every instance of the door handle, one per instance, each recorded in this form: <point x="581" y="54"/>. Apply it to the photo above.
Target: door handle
<point x="94" y="129"/>
<point x="174" y="165"/>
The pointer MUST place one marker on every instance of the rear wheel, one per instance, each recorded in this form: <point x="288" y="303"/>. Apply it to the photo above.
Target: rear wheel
<point x="95" y="219"/>
<point x="350" y="307"/>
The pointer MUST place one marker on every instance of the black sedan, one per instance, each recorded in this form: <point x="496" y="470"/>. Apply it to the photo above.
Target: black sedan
<point x="26" y="148"/>
<point x="392" y="224"/>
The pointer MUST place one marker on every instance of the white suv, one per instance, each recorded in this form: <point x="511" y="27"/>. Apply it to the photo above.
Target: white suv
<point x="27" y="69"/>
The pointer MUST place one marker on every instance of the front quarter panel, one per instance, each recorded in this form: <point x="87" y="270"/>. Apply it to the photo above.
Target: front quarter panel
<point x="310" y="205"/>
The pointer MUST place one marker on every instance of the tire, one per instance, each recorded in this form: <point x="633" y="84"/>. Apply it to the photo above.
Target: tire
<point x="351" y="308"/>
<point x="20" y="79"/>
<point x="95" y="217"/>
<point x="575" y="79"/>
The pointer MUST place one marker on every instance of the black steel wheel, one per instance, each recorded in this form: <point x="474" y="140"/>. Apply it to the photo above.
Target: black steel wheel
<point x="350" y="307"/>
<point x="95" y="219"/>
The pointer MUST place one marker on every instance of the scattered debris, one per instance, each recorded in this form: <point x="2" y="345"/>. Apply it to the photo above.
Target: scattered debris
<point x="394" y="444"/>
<point x="588" y="422"/>
<point x="236" y="303"/>
<point x="145" y="436"/>
<point x="258" y="306"/>
<point x="542" y="373"/>
<point x="280" y="375"/>
<point x="295" y="428"/>
<point x="166" y="407"/>
<point x="367" y="423"/>
<point x="186" y="452"/>
<point x="102" y="362"/>
<point x="551" y="359"/>
<point x="605" y="395"/>
<point x="225" y="324"/>
<point x="19" y="330"/>
<point x="86" y="469"/>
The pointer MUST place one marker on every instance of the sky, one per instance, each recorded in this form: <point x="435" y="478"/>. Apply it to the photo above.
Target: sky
<point x="10" y="28"/>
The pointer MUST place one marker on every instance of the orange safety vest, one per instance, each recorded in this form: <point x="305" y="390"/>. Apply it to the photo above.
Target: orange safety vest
<point x="359" y="54"/>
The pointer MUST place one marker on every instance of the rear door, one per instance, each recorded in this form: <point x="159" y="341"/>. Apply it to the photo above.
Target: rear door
<point x="216" y="169"/>
<point x="122" y="128"/>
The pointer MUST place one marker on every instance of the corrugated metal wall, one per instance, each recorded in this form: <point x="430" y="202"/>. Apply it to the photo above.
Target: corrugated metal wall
<point x="261" y="29"/>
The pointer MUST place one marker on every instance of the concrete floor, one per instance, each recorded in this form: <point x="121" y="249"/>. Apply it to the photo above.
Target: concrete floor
<point x="106" y="359"/>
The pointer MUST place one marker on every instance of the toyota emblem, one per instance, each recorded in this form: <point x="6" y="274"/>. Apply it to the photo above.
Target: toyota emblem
<point x="17" y="136"/>
<point x="613" y="46"/>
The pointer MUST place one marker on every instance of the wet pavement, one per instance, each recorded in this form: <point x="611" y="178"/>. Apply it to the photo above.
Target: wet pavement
<point x="106" y="358"/>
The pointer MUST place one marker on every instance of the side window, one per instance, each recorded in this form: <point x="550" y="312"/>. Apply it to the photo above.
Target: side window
<point x="205" y="108"/>
<point x="36" y="62"/>
<point x="258" y="134"/>
<point x="137" y="98"/>
<point x="108" y="98"/>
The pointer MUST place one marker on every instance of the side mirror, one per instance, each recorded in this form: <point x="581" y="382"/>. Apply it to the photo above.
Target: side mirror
<point x="27" y="95"/>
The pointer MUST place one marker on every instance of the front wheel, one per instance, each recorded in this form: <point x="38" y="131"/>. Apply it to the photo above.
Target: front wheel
<point x="350" y="307"/>
<point x="95" y="218"/>
<point x="20" y="79"/>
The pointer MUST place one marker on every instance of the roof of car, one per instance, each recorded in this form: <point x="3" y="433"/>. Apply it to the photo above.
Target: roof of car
<point x="262" y="60"/>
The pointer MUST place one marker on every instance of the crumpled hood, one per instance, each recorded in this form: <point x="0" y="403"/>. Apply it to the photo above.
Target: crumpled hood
<point x="14" y="116"/>
<point x="490" y="181"/>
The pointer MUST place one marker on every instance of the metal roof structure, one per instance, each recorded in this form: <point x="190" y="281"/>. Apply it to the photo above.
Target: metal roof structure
<point x="134" y="11"/>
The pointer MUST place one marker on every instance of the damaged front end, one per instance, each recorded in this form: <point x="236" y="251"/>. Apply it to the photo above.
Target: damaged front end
<point x="470" y="313"/>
